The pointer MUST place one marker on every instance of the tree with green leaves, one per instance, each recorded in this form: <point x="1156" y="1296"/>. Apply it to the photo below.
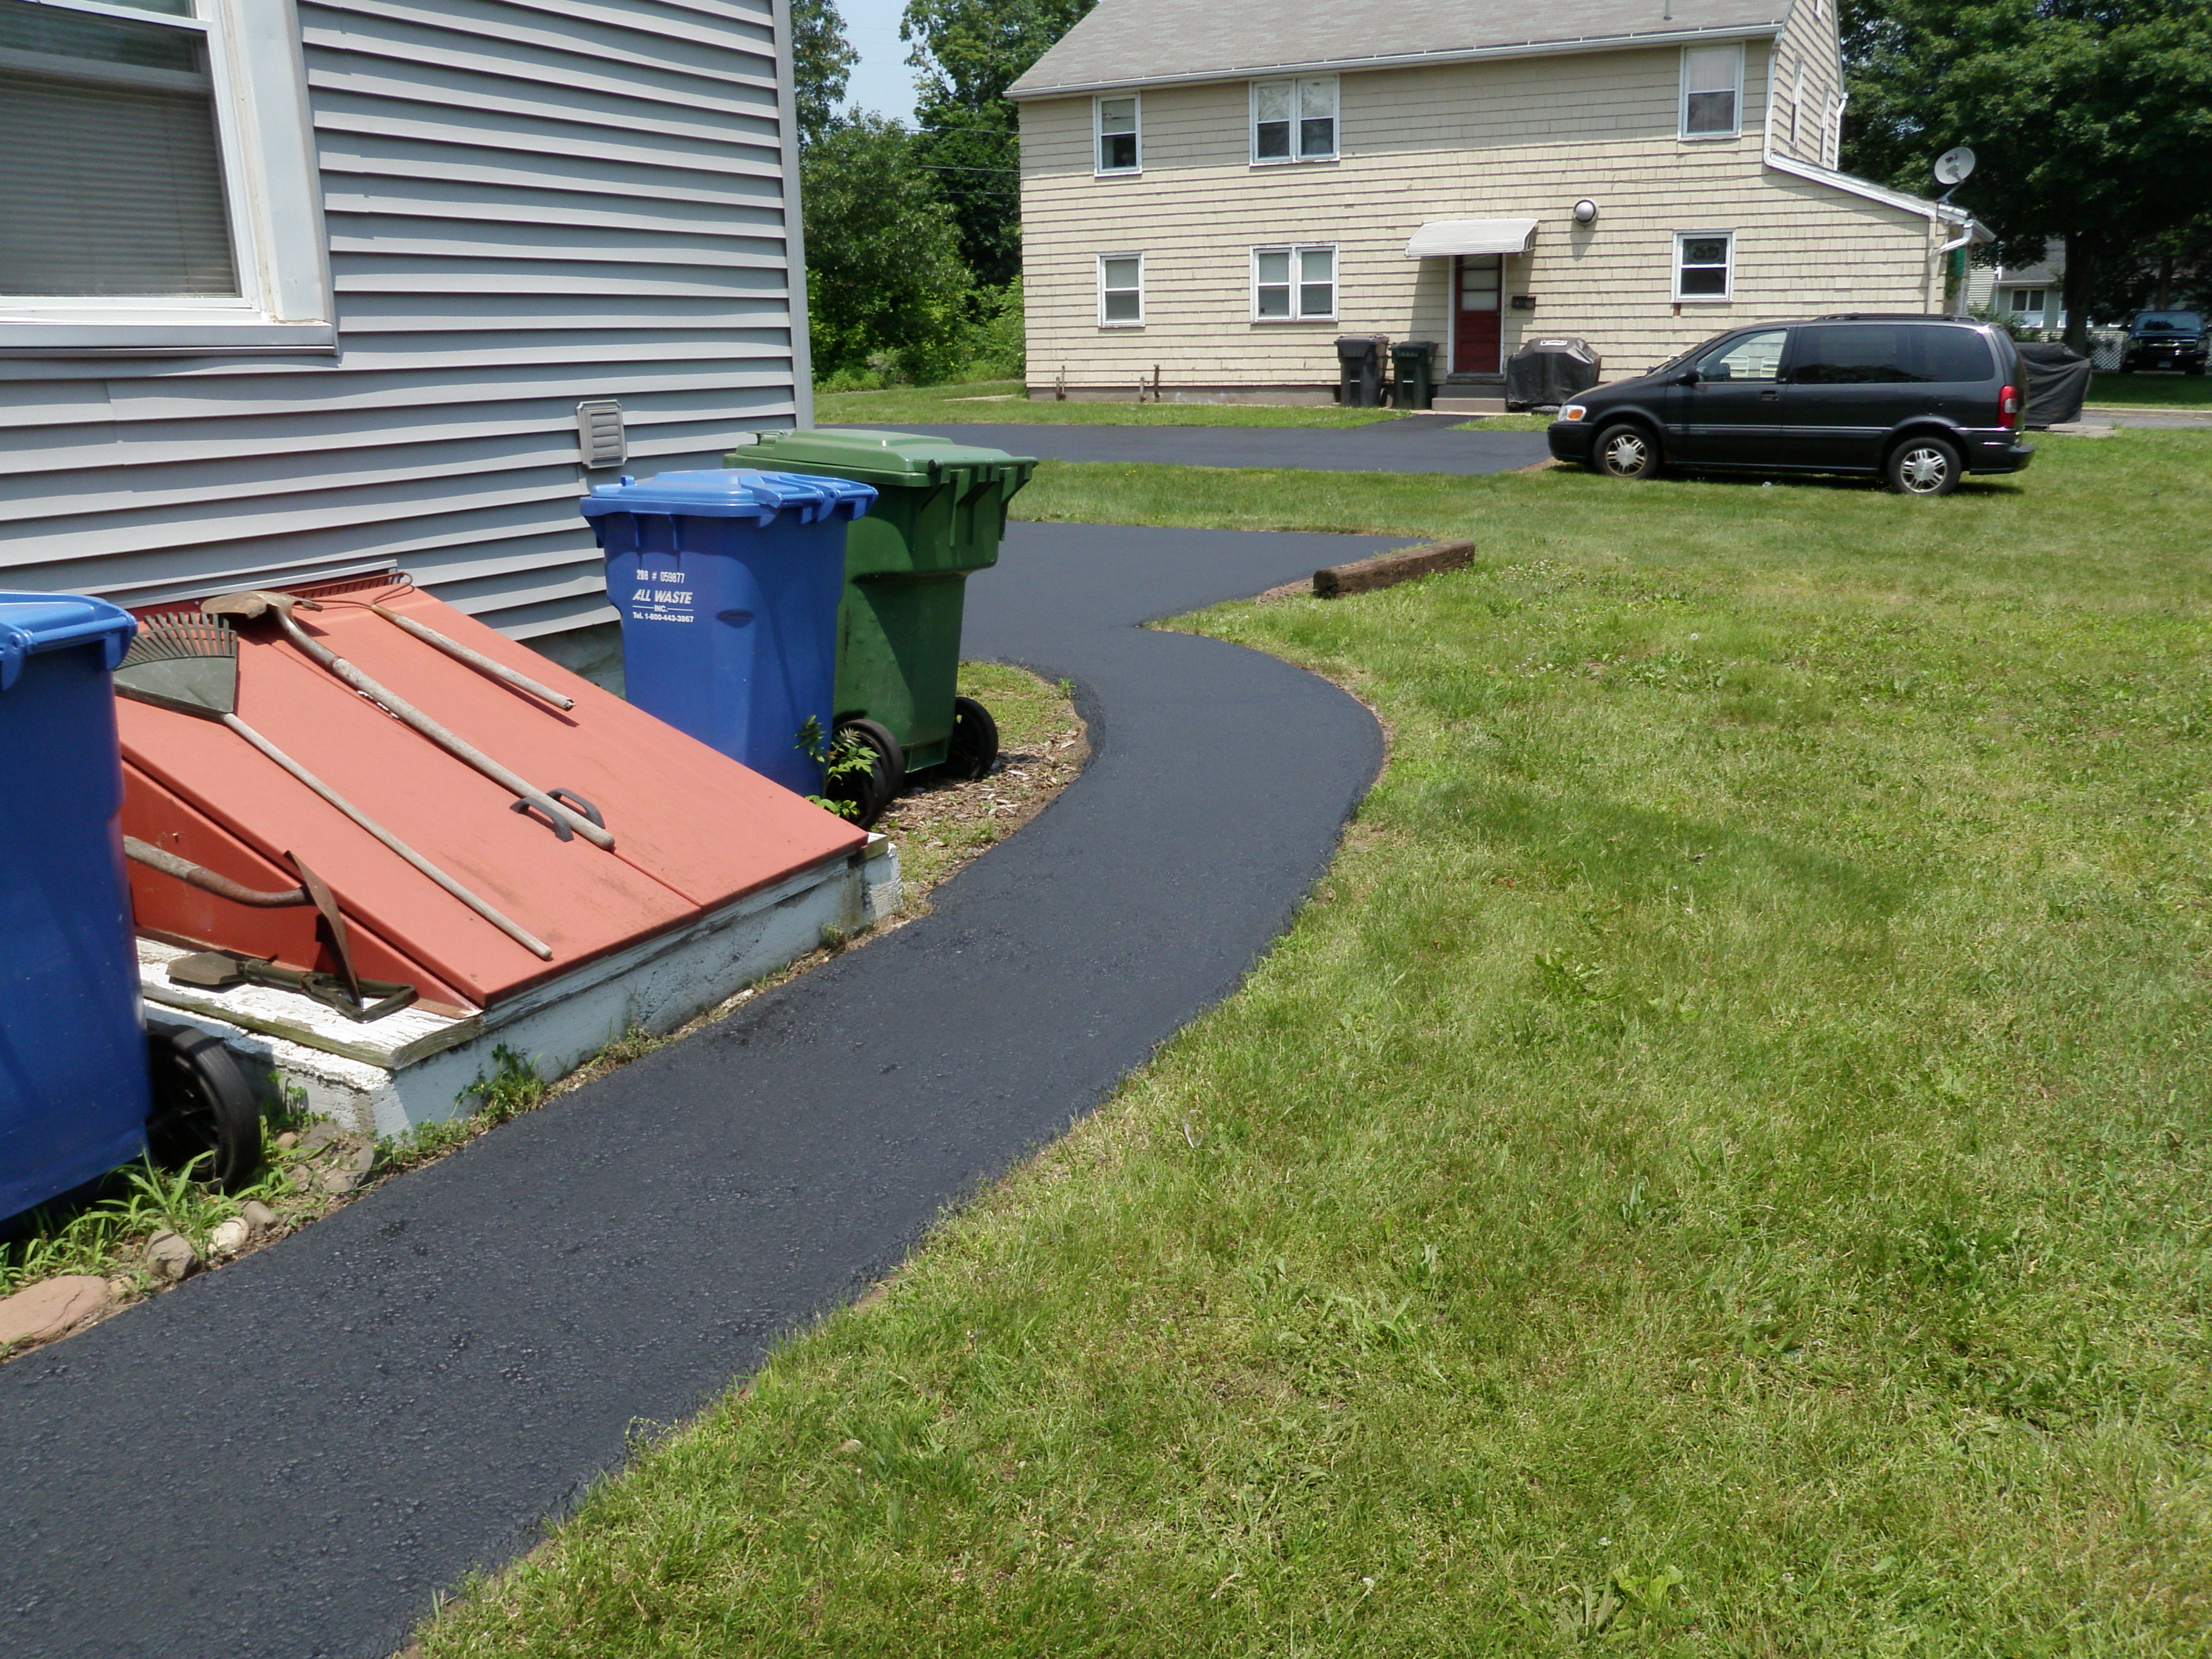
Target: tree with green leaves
<point x="883" y="273"/>
<point x="2090" y="119"/>
<point x="821" y="61"/>
<point x="969" y="52"/>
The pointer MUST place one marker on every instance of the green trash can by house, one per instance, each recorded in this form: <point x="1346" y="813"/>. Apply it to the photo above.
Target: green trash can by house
<point x="1412" y="377"/>
<point x="941" y="511"/>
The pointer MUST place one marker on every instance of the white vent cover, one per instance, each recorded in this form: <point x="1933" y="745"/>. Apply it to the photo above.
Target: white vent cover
<point x="600" y="433"/>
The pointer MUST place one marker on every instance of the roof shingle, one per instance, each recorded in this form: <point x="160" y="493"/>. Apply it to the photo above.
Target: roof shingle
<point x="1134" y="42"/>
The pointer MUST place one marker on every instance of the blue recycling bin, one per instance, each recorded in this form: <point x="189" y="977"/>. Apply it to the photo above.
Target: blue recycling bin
<point x="728" y="584"/>
<point x="73" y="1093"/>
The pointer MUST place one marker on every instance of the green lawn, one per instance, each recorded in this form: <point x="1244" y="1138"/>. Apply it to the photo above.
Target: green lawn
<point x="1005" y="400"/>
<point x="1720" y="1167"/>
<point x="2151" y="391"/>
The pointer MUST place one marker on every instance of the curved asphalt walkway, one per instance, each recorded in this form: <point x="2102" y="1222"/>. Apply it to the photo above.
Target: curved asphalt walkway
<point x="290" y="1456"/>
<point x="1412" y="443"/>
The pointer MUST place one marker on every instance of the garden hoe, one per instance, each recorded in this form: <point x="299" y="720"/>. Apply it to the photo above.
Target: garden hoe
<point x="190" y="664"/>
<point x="261" y="602"/>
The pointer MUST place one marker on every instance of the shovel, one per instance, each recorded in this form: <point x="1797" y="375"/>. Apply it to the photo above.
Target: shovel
<point x="260" y="602"/>
<point x="190" y="665"/>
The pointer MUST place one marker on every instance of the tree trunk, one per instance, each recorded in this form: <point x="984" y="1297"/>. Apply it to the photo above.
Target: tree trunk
<point x="2165" y="282"/>
<point x="2080" y="265"/>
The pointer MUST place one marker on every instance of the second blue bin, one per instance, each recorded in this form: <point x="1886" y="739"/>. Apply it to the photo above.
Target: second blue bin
<point x="728" y="584"/>
<point x="73" y="1088"/>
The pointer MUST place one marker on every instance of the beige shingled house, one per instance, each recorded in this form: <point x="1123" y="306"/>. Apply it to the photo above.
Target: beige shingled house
<point x="1212" y="190"/>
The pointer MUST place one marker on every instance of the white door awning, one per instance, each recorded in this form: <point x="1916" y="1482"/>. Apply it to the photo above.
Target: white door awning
<point x="1442" y="237"/>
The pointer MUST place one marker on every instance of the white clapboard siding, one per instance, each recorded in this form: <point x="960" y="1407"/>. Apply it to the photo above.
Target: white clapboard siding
<point x="1520" y="137"/>
<point x="529" y="203"/>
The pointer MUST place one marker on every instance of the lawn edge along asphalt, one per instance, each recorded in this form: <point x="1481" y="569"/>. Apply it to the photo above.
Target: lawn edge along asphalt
<point x="465" y="1352"/>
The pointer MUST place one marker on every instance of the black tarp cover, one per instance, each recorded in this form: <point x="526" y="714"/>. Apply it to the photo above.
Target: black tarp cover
<point x="1550" y="370"/>
<point x="2057" y="382"/>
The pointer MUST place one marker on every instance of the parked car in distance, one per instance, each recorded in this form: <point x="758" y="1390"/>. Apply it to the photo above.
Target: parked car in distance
<point x="1919" y="402"/>
<point x="2165" y="339"/>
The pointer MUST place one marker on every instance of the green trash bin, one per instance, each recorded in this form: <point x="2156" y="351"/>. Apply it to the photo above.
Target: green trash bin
<point x="941" y="511"/>
<point x="1413" y="379"/>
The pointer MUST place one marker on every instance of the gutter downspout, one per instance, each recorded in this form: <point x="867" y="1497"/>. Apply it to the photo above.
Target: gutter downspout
<point x="1943" y="259"/>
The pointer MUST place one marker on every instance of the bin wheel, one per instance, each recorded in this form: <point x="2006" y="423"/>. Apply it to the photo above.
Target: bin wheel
<point x="973" y="749"/>
<point x="204" y="1117"/>
<point x="868" y="792"/>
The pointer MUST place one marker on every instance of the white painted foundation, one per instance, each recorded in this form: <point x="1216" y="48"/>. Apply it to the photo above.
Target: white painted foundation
<point x="385" y="1077"/>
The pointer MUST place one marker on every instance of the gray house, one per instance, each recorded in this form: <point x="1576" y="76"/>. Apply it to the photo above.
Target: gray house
<point x="305" y="289"/>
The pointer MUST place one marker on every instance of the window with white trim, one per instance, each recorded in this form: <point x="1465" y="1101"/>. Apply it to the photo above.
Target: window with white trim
<point x="1712" y="91"/>
<point x="1294" y="120"/>
<point x="158" y="190"/>
<point x="1121" y="290"/>
<point x="1797" y="108"/>
<point x="2027" y="305"/>
<point x="1116" y="119"/>
<point x="1293" y="284"/>
<point x="1705" y="265"/>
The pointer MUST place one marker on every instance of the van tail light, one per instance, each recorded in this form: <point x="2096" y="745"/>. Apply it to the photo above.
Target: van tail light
<point x="2008" y="409"/>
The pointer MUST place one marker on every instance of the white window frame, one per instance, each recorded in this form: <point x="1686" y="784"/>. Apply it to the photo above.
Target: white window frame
<point x="1797" y="109"/>
<point x="1682" y="102"/>
<point x="1728" y="291"/>
<point x="1099" y="168"/>
<point x="1122" y="322"/>
<point x="272" y="193"/>
<point x="1297" y="115"/>
<point x="1297" y="250"/>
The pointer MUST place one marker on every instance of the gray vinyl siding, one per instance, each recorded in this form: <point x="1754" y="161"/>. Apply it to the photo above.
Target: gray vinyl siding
<point x="528" y="202"/>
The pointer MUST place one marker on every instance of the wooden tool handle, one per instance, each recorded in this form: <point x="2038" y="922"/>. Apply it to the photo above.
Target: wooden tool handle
<point x="528" y="941"/>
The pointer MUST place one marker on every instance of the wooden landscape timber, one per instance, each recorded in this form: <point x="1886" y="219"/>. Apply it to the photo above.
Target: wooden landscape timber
<point x="1389" y="570"/>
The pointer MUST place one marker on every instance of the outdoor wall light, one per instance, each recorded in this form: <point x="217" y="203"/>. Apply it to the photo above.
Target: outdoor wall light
<point x="1586" y="212"/>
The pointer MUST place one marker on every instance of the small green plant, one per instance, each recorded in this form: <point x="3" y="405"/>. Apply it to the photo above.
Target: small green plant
<point x="843" y="756"/>
<point x="512" y="1088"/>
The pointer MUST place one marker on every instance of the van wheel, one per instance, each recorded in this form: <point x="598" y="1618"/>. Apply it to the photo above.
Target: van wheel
<point x="1627" y="452"/>
<point x="1924" y="466"/>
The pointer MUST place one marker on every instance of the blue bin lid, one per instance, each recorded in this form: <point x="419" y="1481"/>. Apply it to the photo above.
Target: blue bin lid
<point x="736" y="493"/>
<point x="31" y="622"/>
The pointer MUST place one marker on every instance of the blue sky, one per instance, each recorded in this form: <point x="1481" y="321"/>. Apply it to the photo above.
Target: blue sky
<point x="881" y="80"/>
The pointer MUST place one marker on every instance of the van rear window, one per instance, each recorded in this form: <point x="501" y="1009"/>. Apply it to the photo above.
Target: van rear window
<point x="1889" y="354"/>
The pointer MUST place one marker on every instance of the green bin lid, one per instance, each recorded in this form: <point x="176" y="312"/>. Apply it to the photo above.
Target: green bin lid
<point x="880" y="458"/>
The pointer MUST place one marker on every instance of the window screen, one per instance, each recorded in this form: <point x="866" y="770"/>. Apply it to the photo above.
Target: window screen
<point x="113" y="179"/>
<point x="1117" y="135"/>
<point x="1122" y="287"/>
<point x="1293" y="283"/>
<point x="1294" y="120"/>
<point x="1702" y="267"/>
<point x="1710" y="76"/>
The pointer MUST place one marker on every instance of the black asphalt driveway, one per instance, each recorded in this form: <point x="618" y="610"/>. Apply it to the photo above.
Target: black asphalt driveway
<point x="291" y="1456"/>
<point x="1412" y="443"/>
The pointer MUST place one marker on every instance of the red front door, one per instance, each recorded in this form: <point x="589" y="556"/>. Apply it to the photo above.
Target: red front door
<point x="1475" y="335"/>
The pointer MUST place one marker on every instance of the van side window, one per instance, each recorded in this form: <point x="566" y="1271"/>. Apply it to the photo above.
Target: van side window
<point x="1875" y="353"/>
<point x="1954" y="353"/>
<point x="1746" y="357"/>
<point x="1851" y="354"/>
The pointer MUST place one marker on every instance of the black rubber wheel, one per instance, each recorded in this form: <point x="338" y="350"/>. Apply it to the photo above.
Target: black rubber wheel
<point x="973" y="749"/>
<point x="1924" y="466"/>
<point x="204" y="1116"/>
<point x="1625" y="451"/>
<point x="868" y="792"/>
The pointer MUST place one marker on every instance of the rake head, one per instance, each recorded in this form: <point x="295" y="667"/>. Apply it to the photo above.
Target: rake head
<point x="183" y="662"/>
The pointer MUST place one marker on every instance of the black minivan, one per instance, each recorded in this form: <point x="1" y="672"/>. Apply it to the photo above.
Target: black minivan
<point x="1918" y="402"/>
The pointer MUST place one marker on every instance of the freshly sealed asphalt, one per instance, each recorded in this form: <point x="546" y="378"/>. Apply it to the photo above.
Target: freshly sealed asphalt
<point x="1411" y="443"/>
<point x="290" y="1457"/>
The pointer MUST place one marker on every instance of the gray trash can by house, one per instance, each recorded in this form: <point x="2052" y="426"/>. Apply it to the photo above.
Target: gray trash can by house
<point x="1359" y="370"/>
<point x="1413" y="374"/>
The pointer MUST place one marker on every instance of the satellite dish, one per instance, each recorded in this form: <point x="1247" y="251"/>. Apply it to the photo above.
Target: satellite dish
<point x="1953" y="165"/>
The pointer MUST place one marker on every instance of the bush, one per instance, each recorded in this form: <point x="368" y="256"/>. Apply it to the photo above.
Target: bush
<point x="887" y="293"/>
<point x="997" y="349"/>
